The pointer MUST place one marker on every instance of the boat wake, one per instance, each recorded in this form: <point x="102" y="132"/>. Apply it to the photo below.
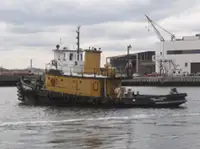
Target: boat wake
<point x="188" y="114"/>
<point x="68" y="121"/>
<point x="134" y="117"/>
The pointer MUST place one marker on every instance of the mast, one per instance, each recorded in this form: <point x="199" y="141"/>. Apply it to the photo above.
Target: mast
<point x="78" y="41"/>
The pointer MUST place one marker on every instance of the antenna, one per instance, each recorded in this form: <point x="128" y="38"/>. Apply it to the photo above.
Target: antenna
<point x="78" y="38"/>
<point x="78" y="41"/>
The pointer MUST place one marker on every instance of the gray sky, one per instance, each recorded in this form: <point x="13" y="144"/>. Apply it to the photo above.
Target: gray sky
<point x="32" y="28"/>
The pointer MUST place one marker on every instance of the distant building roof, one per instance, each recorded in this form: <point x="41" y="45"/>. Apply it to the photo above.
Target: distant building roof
<point x="132" y="54"/>
<point x="66" y="50"/>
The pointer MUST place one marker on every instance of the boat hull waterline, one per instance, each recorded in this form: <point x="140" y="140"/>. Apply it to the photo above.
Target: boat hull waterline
<point x="29" y="96"/>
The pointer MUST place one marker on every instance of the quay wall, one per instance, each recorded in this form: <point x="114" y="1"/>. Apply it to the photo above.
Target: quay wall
<point x="163" y="81"/>
<point x="11" y="80"/>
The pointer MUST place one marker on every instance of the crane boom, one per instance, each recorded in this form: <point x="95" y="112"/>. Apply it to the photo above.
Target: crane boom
<point x="155" y="29"/>
<point x="157" y="32"/>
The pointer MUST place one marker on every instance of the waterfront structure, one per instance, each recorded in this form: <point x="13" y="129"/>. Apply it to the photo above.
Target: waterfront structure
<point x="176" y="56"/>
<point x="181" y="56"/>
<point x="141" y="61"/>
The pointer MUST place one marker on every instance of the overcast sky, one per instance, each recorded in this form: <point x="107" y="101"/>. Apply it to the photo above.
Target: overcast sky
<point x="32" y="28"/>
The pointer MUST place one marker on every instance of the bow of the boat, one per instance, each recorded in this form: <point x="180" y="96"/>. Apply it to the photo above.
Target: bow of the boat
<point x="172" y="100"/>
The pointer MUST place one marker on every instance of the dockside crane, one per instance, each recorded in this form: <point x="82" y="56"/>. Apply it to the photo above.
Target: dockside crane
<point x="173" y="38"/>
<point x="153" y="24"/>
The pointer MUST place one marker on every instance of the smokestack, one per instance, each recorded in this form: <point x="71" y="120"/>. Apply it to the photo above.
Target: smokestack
<point x="31" y="65"/>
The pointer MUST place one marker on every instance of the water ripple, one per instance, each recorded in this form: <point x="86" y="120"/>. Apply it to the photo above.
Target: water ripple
<point x="32" y="127"/>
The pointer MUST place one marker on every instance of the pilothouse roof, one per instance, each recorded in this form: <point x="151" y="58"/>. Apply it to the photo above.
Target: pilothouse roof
<point x="65" y="49"/>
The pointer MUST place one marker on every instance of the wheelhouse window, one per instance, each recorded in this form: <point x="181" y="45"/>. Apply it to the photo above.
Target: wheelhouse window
<point x="78" y="56"/>
<point x="64" y="58"/>
<point x="81" y="55"/>
<point x="71" y="56"/>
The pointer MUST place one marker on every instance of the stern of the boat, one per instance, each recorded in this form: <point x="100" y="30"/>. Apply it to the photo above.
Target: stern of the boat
<point x="23" y="88"/>
<point x="20" y="90"/>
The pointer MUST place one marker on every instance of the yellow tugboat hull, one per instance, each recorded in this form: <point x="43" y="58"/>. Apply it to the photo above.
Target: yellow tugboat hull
<point x="84" y="86"/>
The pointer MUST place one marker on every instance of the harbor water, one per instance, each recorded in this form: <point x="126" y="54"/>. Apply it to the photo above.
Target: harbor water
<point x="29" y="127"/>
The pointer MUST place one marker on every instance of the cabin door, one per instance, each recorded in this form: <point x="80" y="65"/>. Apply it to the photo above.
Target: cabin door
<point x="77" y="85"/>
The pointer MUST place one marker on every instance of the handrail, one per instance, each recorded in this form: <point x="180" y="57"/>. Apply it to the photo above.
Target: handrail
<point x="115" y="73"/>
<point x="103" y="72"/>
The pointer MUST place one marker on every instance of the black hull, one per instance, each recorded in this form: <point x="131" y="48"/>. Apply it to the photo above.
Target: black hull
<point x="43" y="97"/>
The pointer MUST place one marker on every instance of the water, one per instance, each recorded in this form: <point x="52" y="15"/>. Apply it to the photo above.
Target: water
<point x="26" y="127"/>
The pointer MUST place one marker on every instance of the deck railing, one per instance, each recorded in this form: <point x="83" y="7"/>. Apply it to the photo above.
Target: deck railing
<point x="93" y="72"/>
<point x="107" y="72"/>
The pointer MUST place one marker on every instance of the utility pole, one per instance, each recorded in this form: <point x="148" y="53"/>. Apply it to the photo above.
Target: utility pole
<point x="78" y="41"/>
<point x="128" y="49"/>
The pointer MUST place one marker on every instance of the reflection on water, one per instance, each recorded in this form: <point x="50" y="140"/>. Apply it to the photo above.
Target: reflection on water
<point x="92" y="143"/>
<point x="30" y="127"/>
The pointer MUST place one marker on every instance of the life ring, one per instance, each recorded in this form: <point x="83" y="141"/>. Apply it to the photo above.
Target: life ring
<point x="95" y="86"/>
<point x="53" y="82"/>
<point x="53" y="62"/>
<point x="117" y="90"/>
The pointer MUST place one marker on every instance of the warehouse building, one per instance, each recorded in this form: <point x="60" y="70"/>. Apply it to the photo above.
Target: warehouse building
<point x="142" y="62"/>
<point x="181" y="56"/>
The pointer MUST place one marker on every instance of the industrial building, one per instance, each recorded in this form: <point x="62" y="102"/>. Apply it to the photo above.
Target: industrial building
<point x="176" y="56"/>
<point x="142" y="62"/>
<point x="171" y="57"/>
<point x="181" y="56"/>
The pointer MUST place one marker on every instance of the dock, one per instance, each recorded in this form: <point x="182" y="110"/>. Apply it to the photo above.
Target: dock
<point x="11" y="80"/>
<point x="163" y="81"/>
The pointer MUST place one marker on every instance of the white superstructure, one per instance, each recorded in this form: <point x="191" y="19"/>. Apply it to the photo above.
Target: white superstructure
<point x="69" y="60"/>
<point x="181" y="56"/>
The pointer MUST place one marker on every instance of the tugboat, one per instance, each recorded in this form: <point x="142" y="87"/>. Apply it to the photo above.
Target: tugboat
<point x="71" y="81"/>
